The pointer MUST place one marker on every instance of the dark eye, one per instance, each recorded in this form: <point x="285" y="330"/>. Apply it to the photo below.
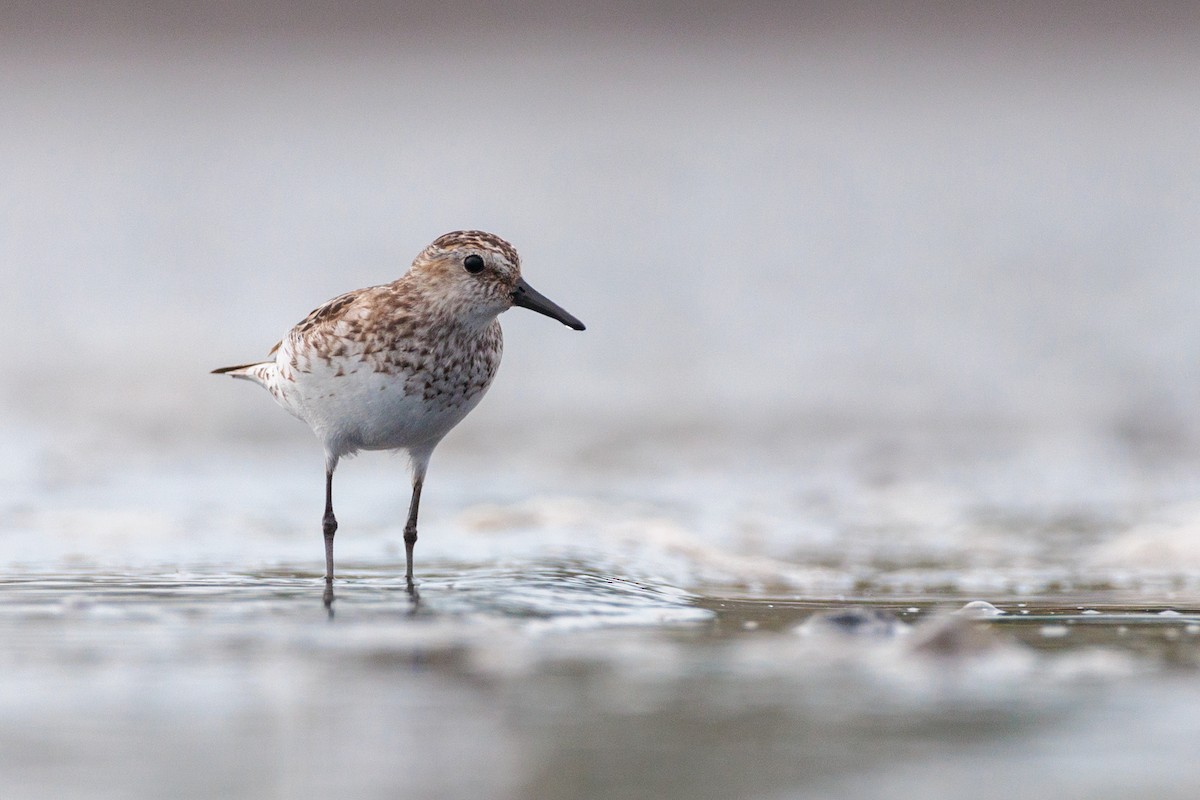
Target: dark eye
<point x="473" y="264"/>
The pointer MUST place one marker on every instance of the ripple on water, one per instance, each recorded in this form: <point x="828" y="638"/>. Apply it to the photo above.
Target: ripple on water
<point x="555" y="659"/>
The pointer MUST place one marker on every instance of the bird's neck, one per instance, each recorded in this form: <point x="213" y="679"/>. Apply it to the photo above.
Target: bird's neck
<point x="450" y="316"/>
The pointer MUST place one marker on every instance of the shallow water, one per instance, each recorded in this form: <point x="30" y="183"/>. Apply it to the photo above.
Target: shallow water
<point x="631" y="637"/>
<point x="876" y="474"/>
<point x="561" y="682"/>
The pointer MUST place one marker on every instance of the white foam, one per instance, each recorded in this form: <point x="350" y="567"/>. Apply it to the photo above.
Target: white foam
<point x="1167" y="542"/>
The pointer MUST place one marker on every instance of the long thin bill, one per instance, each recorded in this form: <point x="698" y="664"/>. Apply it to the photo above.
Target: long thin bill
<point x="526" y="296"/>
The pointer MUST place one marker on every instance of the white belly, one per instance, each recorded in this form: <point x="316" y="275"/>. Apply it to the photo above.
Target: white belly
<point x="354" y="407"/>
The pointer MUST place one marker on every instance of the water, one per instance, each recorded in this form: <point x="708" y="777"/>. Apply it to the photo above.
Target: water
<point x="567" y="682"/>
<point x="592" y="644"/>
<point x="889" y="319"/>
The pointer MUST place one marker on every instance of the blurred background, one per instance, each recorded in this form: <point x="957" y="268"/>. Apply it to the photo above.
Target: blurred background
<point x="942" y="212"/>
<point x="895" y="299"/>
<point x="936" y="241"/>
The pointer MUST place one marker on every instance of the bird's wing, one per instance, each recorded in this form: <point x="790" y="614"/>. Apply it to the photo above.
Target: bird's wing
<point x="325" y="313"/>
<point x="343" y="327"/>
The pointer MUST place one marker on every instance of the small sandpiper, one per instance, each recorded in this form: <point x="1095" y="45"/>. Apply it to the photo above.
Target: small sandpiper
<point x="395" y="367"/>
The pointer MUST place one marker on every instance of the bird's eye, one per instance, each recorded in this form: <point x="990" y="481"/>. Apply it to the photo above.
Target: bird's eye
<point x="473" y="264"/>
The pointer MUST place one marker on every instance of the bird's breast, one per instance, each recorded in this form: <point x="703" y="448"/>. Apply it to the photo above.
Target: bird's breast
<point x="398" y="392"/>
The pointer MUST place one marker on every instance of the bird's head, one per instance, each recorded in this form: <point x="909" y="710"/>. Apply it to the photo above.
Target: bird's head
<point x="478" y="275"/>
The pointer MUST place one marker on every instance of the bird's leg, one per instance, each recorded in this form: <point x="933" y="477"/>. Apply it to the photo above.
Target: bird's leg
<point x="410" y="529"/>
<point x="329" y="526"/>
<point x="327" y="598"/>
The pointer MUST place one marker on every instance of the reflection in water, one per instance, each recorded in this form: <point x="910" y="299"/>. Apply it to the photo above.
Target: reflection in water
<point x="556" y="681"/>
<point x="328" y="596"/>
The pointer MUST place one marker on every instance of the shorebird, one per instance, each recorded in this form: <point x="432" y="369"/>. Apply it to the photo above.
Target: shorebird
<point x="395" y="367"/>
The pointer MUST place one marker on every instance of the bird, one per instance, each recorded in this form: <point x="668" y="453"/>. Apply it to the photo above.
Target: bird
<point x="397" y="366"/>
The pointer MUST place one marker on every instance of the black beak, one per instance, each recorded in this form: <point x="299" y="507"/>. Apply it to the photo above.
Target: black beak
<point x="526" y="296"/>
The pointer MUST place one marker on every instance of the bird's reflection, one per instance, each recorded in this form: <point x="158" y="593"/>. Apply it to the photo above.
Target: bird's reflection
<point x="414" y="596"/>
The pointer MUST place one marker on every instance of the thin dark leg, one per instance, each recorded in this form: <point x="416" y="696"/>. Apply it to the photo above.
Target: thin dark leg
<point x="410" y="531"/>
<point x="329" y="525"/>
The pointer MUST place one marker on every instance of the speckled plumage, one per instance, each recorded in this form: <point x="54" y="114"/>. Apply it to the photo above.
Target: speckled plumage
<point x="397" y="366"/>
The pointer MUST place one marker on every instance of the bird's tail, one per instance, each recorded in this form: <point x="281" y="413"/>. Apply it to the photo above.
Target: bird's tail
<point x="256" y="372"/>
